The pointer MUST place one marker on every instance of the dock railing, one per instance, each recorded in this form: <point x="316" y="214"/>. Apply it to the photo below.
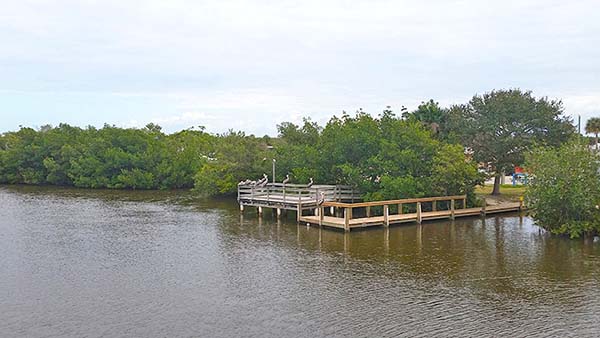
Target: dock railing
<point x="295" y="194"/>
<point x="400" y="203"/>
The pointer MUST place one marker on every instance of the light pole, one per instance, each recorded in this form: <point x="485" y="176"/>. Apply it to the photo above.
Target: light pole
<point x="274" y="161"/>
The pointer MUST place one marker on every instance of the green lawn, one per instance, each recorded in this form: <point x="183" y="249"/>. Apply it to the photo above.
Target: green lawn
<point x="507" y="191"/>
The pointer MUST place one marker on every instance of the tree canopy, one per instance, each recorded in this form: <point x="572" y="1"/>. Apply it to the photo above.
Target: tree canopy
<point x="501" y="126"/>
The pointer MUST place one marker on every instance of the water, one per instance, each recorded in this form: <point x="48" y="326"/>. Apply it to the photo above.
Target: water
<point x="77" y="263"/>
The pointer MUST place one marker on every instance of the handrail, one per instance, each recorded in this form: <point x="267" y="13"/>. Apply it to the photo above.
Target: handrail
<point x="297" y="192"/>
<point x="389" y="202"/>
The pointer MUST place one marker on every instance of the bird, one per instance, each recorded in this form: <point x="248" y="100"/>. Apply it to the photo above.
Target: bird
<point x="241" y="183"/>
<point x="321" y="198"/>
<point x="264" y="183"/>
<point x="253" y="183"/>
<point x="265" y="177"/>
<point x="310" y="183"/>
<point x="287" y="179"/>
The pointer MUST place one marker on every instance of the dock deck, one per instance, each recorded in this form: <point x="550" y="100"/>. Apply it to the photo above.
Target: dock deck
<point x="382" y="220"/>
<point x="347" y="222"/>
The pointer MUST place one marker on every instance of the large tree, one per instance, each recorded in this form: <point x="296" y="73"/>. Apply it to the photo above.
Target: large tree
<point x="592" y="126"/>
<point x="500" y="126"/>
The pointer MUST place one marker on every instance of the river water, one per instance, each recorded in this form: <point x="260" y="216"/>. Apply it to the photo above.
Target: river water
<point x="80" y="263"/>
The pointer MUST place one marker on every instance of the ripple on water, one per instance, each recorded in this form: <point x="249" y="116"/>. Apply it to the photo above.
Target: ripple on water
<point x="98" y="263"/>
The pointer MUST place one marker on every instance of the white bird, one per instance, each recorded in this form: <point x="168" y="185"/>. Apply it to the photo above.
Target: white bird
<point x="310" y="183"/>
<point x="287" y="179"/>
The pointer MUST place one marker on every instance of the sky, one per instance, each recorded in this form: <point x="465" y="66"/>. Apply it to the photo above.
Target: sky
<point x="249" y="65"/>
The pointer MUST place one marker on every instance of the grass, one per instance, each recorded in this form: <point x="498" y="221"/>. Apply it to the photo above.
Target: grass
<point x="507" y="192"/>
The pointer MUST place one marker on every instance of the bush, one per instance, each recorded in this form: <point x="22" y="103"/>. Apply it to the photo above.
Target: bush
<point x="564" y="192"/>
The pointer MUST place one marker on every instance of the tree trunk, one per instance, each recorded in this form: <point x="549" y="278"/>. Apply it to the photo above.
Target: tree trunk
<point x="596" y="147"/>
<point x="496" y="190"/>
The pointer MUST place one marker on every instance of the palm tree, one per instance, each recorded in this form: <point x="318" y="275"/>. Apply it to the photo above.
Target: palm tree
<point x="592" y="126"/>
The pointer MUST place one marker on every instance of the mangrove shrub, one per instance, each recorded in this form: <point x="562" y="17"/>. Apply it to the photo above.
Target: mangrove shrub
<point x="564" y="192"/>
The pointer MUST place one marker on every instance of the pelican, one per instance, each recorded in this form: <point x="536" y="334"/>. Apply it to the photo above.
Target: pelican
<point x="287" y="179"/>
<point x="264" y="183"/>
<point x="321" y="198"/>
<point x="310" y="183"/>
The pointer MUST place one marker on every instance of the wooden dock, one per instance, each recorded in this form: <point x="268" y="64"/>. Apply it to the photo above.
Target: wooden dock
<point x="378" y="213"/>
<point x="296" y="197"/>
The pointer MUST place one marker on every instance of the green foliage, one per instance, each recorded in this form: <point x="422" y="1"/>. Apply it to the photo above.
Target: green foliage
<point x="236" y="157"/>
<point x="592" y="126"/>
<point x="385" y="157"/>
<point x="102" y="158"/>
<point x="501" y="126"/>
<point x="564" y="193"/>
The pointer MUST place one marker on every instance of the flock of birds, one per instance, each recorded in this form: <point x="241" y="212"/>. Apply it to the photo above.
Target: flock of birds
<point x="265" y="180"/>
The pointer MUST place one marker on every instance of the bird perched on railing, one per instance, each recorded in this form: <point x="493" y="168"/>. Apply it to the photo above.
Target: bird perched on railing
<point x="321" y="198"/>
<point x="262" y="180"/>
<point x="246" y="182"/>
<point x="287" y="179"/>
<point x="310" y="183"/>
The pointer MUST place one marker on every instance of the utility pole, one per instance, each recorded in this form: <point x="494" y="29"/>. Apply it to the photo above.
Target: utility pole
<point x="274" y="161"/>
<point x="579" y="124"/>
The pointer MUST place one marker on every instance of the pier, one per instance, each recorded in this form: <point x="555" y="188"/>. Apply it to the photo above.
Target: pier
<point x="411" y="210"/>
<point x="295" y="197"/>
<point x="340" y="206"/>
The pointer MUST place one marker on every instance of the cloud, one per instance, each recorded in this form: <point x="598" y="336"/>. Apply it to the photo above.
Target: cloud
<point x="252" y="64"/>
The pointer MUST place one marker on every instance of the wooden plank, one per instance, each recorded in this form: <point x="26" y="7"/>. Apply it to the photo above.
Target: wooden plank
<point x="404" y="201"/>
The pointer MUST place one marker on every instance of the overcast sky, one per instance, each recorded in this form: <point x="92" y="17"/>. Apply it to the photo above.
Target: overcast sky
<point x="249" y="65"/>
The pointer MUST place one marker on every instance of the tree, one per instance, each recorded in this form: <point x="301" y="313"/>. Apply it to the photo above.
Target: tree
<point x="564" y="192"/>
<point x="592" y="126"/>
<point x="429" y="113"/>
<point x="500" y="126"/>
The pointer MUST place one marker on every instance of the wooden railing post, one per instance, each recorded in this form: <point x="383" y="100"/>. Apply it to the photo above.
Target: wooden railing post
<point x="419" y="217"/>
<point x="483" y="207"/>
<point x="400" y="211"/>
<point x="452" y="208"/>
<point x="434" y="205"/>
<point x="464" y="206"/>
<point x="386" y="215"/>
<point x="347" y="216"/>
<point x="368" y="211"/>
<point x="520" y="203"/>
<point x="321" y="213"/>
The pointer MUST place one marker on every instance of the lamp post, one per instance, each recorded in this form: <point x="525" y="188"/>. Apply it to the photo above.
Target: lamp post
<point x="274" y="161"/>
